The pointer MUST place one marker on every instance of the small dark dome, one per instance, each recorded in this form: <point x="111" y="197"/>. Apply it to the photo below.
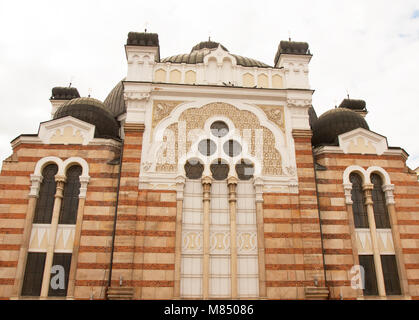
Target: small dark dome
<point x="64" y="93"/>
<point x="353" y="104"/>
<point x="334" y="122"/>
<point x="208" y="45"/>
<point x="143" y="39"/>
<point x="92" y="111"/>
<point x="291" y="47"/>
<point x="115" y="100"/>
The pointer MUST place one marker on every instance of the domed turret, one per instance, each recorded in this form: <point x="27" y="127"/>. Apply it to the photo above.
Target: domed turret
<point x="332" y="123"/>
<point x="92" y="111"/>
<point x="115" y="102"/>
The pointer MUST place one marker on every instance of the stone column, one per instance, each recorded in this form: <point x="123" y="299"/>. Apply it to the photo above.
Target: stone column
<point x="258" y="183"/>
<point x="206" y="186"/>
<point x="52" y="235"/>
<point x="180" y="185"/>
<point x="388" y="190"/>
<point x="232" y="199"/>
<point x="349" y="209"/>
<point x="23" y="253"/>
<point x="374" y="241"/>
<point x="77" y="234"/>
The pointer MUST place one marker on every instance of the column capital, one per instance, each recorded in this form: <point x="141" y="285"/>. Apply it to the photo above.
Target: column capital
<point x="36" y="181"/>
<point x="232" y="180"/>
<point x="206" y="180"/>
<point x="84" y="180"/>
<point x="206" y="186"/>
<point x="389" y="193"/>
<point x="232" y="187"/>
<point x="60" y="179"/>
<point x="367" y="186"/>
<point x="347" y="188"/>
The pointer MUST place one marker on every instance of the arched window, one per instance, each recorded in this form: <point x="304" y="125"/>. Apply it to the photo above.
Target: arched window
<point x="379" y="203"/>
<point x="45" y="203"/>
<point x="358" y="206"/>
<point x="219" y="170"/>
<point x="194" y="169"/>
<point x="70" y="202"/>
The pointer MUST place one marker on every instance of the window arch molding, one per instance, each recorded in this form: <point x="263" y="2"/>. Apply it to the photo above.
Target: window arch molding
<point x="381" y="172"/>
<point x="36" y="177"/>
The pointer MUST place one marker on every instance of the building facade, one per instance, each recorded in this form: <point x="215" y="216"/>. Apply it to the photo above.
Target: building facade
<point x="207" y="175"/>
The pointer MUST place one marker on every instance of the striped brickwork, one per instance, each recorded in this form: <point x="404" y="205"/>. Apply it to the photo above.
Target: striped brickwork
<point x="337" y="230"/>
<point x="145" y="231"/>
<point x="293" y="252"/>
<point x="98" y="211"/>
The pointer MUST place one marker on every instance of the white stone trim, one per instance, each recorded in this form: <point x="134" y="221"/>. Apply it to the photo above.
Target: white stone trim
<point x="384" y="175"/>
<point x="258" y="184"/>
<point x="36" y="181"/>
<point x="389" y="193"/>
<point x="347" y="188"/>
<point x="377" y="141"/>
<point x="62" y="170"/>
<point x="49" y="128"/>
<point x="180" y="187"/>
<point x="361" y="171"/>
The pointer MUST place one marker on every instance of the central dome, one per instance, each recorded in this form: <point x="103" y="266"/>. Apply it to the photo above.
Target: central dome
<point x="208" y="45"/>
<point x="197" y="56"/>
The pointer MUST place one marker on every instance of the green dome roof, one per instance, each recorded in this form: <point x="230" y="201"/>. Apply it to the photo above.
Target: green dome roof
<point x="332" y="123"/>
<point x="115" y="102"/>
<point x="92" y="111"/>
<point x="197" y="56"/>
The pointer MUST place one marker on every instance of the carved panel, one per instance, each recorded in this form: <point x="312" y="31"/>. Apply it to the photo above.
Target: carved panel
<point x="246" y="123"/>
<point x="275" y="114"/>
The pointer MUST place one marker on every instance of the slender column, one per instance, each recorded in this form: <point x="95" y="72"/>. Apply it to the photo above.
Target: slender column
<point x="206" y="186"/>
<point x="388" y="190"/>
<point x="52" y="235"/>
<point x="371" y="221"/>
<point x="77" y="234"/>
<point x="258" y="183"/>
<point x="232" y="199"/>
<point x="349" y="209"/>
<point x="180" y="184"/>
<point x="23" y="253"/>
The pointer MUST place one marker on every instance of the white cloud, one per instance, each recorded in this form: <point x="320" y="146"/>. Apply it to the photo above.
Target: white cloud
<point x="366" y="47"/>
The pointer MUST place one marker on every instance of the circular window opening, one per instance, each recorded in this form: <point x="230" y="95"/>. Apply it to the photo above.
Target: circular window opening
<point x="219" y="129"/>
<point x="245" y="170"/>
<point x="232" y="148"/>
<point x="219" y="170"/>
<point x="194" y="169"/>
<point x="207" y="147"/>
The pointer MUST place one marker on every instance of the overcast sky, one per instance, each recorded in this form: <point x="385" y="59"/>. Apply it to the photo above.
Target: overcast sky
<point x="367" y="48"/>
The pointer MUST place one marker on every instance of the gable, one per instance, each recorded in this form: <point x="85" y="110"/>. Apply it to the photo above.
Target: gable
<point x="363" y="141"/>
<point x="66" y="130"/>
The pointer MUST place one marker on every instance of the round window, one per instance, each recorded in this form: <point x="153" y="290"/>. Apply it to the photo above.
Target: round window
<point x="219" y="129"/>
<point x="232" y="148"/>
<point x="207" y="147"/>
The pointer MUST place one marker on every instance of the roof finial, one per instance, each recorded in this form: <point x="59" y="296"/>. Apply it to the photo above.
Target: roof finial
<point x="90" y="91"/>
<point x="347" y="93"/>
<point x="145" y="26"/>
<point x="289" y="35"/>
<point x="71" y="80"/>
